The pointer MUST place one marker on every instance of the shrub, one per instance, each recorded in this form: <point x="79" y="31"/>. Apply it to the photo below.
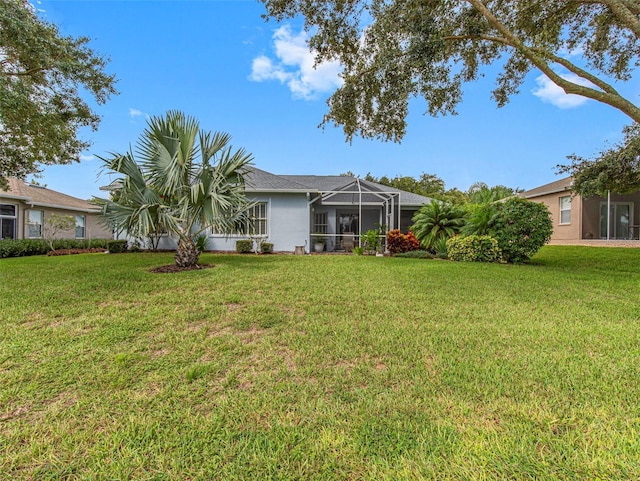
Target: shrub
<point x="201" y="242"/>
<point x="474" y="248"/>
<point x="244" y="246"/>
<point x="358" y="250"/>
<point x="412" y="241"/>
<point x="117" y="246"/>
<point x="521" y="227"/>
<point x="266" y="248"/>
<point x="397" y="242"/>
<point x="437" y="220"/>
<point x="371" y="241"/>
<point x="440" y="248"/>
<point x="36" y="247"/>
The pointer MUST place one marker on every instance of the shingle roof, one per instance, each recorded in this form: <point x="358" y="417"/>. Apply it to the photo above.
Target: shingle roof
<point x="551" y="188"/>
<point x="262" y="181"/>
<point x="41" y="196"/>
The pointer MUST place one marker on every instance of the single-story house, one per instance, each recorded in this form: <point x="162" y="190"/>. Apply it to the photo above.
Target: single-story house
<point x="614" y="218"/>
<point x="297" y="210"/>
<point x="25" y="207"/>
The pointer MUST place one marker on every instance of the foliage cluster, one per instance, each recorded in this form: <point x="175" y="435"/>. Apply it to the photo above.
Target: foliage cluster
<point x="474" y="248"/>
<point x="394" y="50"/>
<point x="616" y="169"/>
<point x="266" y="248"/>
<point x="397" y="242"/>
<point x="244" y="246"/>
<point x="43" y="79"/>
<point x="437" y="220"/>
<point x="38" y="247"/>
<point x="117" y="246"/>
<point x="520" y="228"/>
<point x="372" y="241"/>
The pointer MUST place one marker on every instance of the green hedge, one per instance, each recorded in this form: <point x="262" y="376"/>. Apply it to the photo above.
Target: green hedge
<point x="266" y="248"/>
<point x="117" y="246"/>
<point x="39" y="247"/>
<point x="244" y="246"/>
<point x="474" y="248"/>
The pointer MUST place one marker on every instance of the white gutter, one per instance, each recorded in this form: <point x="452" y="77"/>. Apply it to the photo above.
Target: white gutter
<point x="64" y="207"/>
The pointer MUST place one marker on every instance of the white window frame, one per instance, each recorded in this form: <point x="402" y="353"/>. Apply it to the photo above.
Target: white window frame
<point x="320" y="222"/>
<point x="262" y="220"/>
<point x="560" y="221"/>
<point x="83" y="227"/>
<point x="31" y="223"/>
<point x="13" y="217"/>
<point x="249" y="232"/>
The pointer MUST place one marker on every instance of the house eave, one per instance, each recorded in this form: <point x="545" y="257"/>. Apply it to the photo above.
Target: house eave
<point x="547" y="192"/>
<point x="63" y="207"/>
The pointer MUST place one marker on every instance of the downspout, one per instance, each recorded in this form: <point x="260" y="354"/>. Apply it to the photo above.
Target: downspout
<point x="399" y="212"/>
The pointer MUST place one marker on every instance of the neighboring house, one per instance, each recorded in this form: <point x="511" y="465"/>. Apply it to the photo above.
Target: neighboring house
<point x="592" y="220"/>
<point x="296" y="210"/>
<point x="25" y="207"/>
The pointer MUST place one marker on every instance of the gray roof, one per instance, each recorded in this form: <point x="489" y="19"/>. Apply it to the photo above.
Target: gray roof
<point x="560" y="185"/>
<point x="262" y="181"/>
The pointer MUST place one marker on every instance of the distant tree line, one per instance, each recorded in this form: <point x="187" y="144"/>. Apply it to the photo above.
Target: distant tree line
<point x="430" y="185"/>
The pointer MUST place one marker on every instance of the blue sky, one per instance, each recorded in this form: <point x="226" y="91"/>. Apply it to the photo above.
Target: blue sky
<point x="221" y="62"/>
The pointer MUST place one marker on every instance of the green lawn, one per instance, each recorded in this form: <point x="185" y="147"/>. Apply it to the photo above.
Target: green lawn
<point x="321" y="367"/>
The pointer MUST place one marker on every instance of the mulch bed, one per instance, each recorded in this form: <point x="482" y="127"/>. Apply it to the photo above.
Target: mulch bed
<point x="171" y="268"/>
<point x="66" y="252"/>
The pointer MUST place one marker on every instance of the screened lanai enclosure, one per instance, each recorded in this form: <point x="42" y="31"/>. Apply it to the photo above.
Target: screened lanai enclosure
<point x="340" y="217"/>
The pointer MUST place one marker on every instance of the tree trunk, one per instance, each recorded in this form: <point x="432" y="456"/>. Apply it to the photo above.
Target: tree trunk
<point x="187" y="254"/>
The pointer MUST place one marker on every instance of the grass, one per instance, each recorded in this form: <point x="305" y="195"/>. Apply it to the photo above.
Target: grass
<point x="320" y="367"/>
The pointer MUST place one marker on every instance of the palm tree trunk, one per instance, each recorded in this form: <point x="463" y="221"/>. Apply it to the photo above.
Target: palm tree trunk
<point x="187" y="254"/>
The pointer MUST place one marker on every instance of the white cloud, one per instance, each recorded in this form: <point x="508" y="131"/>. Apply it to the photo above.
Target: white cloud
<point x="550" y="93"/>
<point x="294" y="66"/>
<point x="133" y="113"/>
<point x="87" y="158"/>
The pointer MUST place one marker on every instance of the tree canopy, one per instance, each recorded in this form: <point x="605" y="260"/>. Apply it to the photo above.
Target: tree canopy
<point x="42" y="75"/>
<point x="616" y="169"/>
<point x="394" y="50"/>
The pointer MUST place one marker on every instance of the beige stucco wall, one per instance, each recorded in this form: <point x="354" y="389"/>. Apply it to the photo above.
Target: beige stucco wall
<point x="93" y="229"/>
<point x="563" y="232"/>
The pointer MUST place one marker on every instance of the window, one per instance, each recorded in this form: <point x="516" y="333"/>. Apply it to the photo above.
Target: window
<point x="257" y="224"/>
<point x="565" y="210"/>
<point x="258" y="216"/>
<point x="8" y="221"/>
<point x="320" y="223"/>
<point x="79" y="227"/>
<point x="34" y="223"/>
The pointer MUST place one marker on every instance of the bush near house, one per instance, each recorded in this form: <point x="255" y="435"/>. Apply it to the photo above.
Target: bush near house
<point x="397" y="242"/>
<point x="521" y="228"/>
<point x="474" y="248"/>
<point x="40" y="247"/>
<point x="244" y="246"/>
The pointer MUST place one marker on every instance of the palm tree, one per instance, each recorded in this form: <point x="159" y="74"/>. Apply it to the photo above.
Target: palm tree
<point x="186" y="181"/>
<point x="437" y="220"/>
